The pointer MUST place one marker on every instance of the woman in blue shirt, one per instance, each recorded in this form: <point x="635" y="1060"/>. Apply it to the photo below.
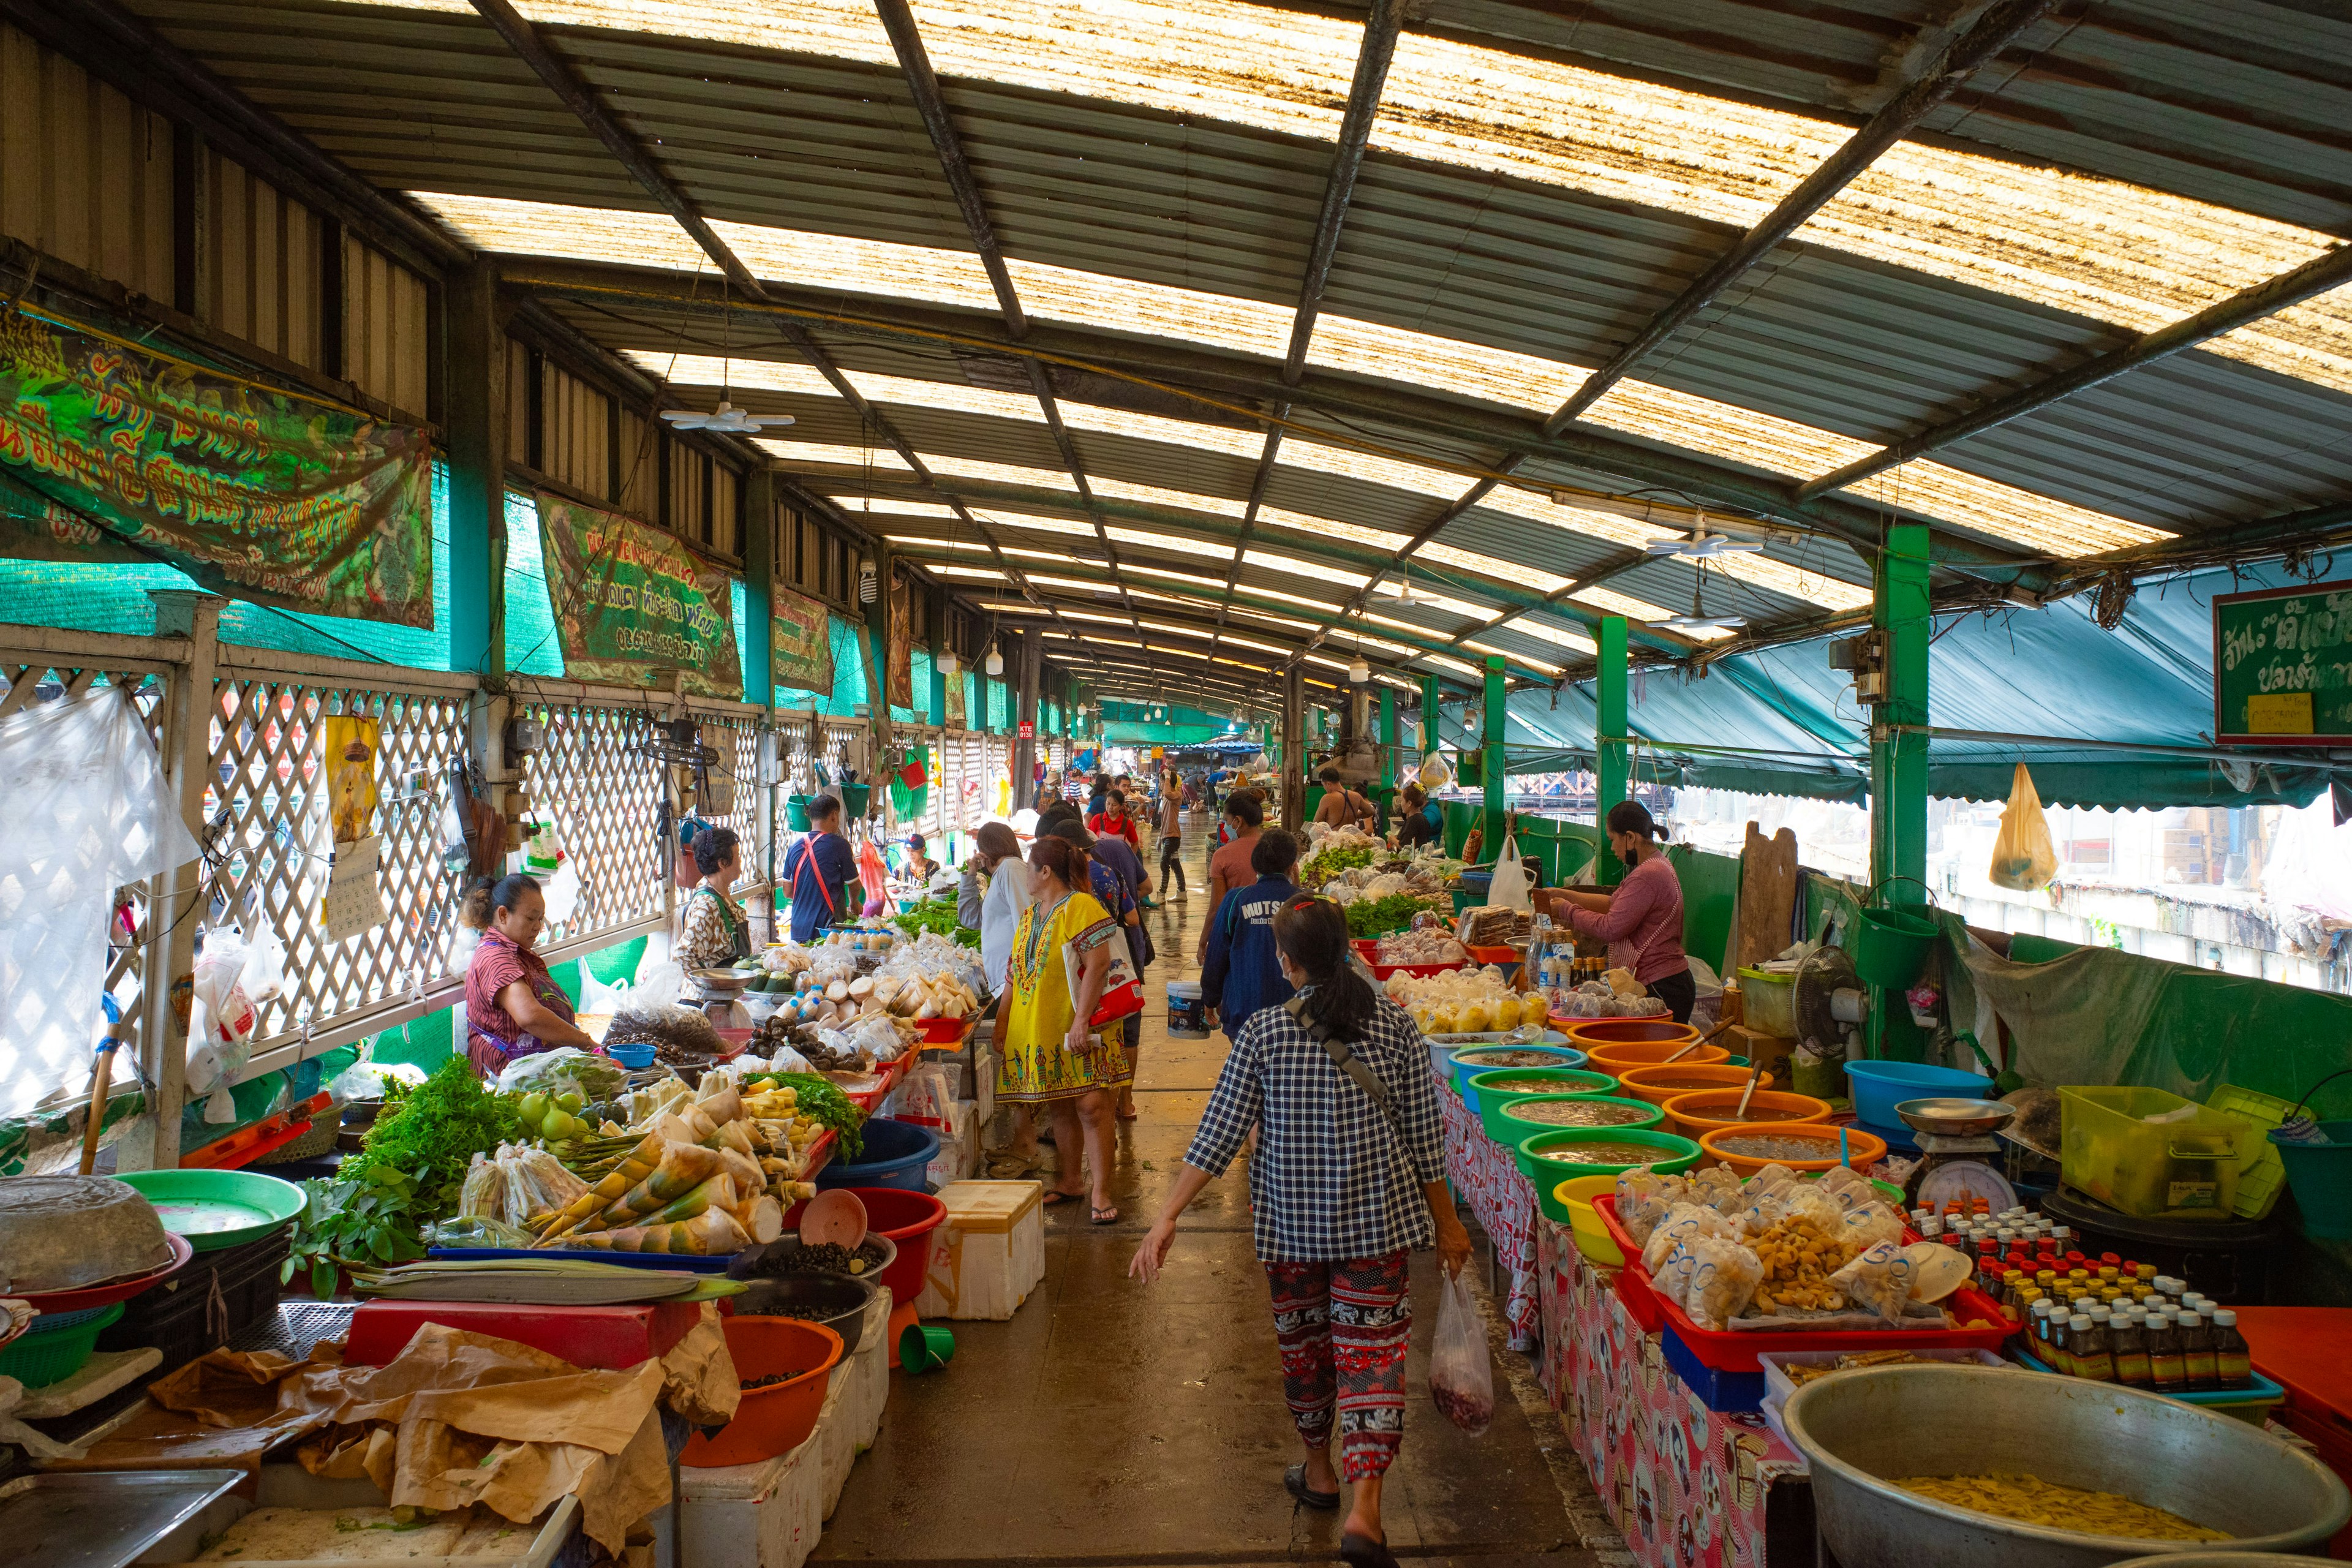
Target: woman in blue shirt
<point x="1239" y="974"/>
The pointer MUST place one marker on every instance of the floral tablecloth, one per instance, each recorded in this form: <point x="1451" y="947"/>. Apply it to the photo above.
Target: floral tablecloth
<point x="1488" y="1179"/>
<point x="1688" y="1486"/>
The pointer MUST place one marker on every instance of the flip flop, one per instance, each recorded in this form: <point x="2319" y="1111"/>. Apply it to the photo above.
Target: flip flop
<point x="1363" y="1551"/>
<point x="1055" y="1195"/>
<point x="1293" y="1481"/>
<point x="1098" y="1216"/>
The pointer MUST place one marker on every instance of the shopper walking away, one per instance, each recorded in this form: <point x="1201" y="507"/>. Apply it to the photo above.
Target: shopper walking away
<point x="1240" y="974"/>
<point x="513" y="1006"/>
<point x="1229" y="867"/>
<point x="1051" y="1059"/>
<point x="818" y="871"/>
<point x="1115" y="854"/>
<point x="1349" y="1176"/>
<point x="1642" y="919"/>
<point x="1172" y="843"/>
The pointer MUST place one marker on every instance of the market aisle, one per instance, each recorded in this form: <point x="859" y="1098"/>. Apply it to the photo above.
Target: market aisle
<point x="1112" y="1422"/>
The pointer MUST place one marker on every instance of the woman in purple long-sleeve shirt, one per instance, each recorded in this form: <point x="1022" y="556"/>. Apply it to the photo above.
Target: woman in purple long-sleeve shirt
<point x="1642" y="922"/>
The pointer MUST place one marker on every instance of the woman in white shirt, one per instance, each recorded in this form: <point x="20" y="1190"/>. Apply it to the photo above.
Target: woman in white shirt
<point x="996" y="911"/>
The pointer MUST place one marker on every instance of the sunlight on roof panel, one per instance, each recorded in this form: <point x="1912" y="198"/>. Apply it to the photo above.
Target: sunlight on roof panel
<point x="891" y="505"/>
<point x="1012" y="606"/>
<point x="997" y="473"/>
<point x="1346" y="462"/>
<point x="1534" y="577"/>
<point x="1442" y="662"/>
<point x="1033" y="522"/>
<point x="1154" y="495"/>
<point x="1608" y="602"/>
<point x="1812" y="587"/>
<point x="799" y="453"/>
<point x="1083" y="585"/>
<point x="913" y="544"/>
<point x="1544" y="631"/>
<point x="1171" y="542"/>
<point x="1100" y="420"/>
<point x="1331" y="528"/>
<point x="1528" y="660"/>
<point x="1474" y="370"/>
<point x="1277" y="561"/>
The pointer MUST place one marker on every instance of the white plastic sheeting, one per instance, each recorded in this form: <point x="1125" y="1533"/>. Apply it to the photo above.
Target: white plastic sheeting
<point x="88" y="810"/>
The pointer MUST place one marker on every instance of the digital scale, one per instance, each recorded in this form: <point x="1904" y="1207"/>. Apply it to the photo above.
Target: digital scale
<point x="1959" y="1158"/>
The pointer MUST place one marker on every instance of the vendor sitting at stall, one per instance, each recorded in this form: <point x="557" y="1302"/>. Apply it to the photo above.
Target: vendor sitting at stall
<point x="513" y="1006"/>
<point x="1418" y="821"/>
<point x="818" y="871"/>
<point x="713" y="931"/>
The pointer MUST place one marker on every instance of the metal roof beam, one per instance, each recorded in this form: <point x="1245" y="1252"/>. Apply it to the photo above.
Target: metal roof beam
<point x="1937" y="80"/>
<point x="2329" y="269"/>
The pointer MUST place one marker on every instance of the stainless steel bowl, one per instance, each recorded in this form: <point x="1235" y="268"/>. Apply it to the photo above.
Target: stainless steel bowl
<point x="2231" y="1560"/>
<point x="1862" y="1430"/>
<point x="1955" y="1117"/>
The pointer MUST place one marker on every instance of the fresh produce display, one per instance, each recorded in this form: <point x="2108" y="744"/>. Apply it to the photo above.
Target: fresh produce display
<point x="2033" y="1500"/>
<point x="1594" y="999"/>
<point x="1342" y="849"/>
<point x="433" y="1131"/>
<point x="1466" y="1002"/>
<point x="677" y="1033"/>
<point x="935" y="917"/>
<point x="822" y="1103"/>
<point x="1392" y="912"/>
<point x="1422" y="945"/>
<point x="565" y="1071"/>
<point x="839" y="986"/>
<point x="555" y="1118"/>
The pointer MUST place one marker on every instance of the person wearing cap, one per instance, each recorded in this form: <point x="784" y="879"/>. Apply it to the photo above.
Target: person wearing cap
<point x="1641" y="919"/>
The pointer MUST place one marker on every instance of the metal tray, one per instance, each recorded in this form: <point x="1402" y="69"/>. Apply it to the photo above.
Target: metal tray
<point x="102" y="1518"/>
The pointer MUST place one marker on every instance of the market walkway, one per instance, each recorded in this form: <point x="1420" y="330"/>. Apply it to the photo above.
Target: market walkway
<point x="1109" y="1423"/>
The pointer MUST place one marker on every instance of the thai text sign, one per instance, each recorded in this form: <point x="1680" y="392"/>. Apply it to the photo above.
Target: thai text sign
<point x="800" y="644"/>
<point x="2283" y="666"/>
<point x="261" y="494"/>
<point x="630" y="600"/>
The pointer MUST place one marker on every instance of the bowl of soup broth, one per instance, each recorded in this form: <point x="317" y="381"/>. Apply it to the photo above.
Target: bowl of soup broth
<point x="1513" y="1119"/>
<point x="1662" y="1081"/>
<point x="1469" y="1061"/>
<point x="1486" y="1091"/>
<point x="1703" y="1110"/>
<point x="1750" y="1146"/>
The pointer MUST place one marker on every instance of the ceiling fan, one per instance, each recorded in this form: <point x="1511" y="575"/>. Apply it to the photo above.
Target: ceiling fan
<point x="1400" y="591"/>
<point x="726" y="419"/>
<point x="1701" y="545"/>
<point x="1698" y="620"/>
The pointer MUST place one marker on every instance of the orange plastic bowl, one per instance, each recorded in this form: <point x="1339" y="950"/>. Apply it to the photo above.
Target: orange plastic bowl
<point x="1634" y="1082"/>
<point x="1862" y="1150"/>
<point x="1702" y="1110"/>
<point x="1628" y="1054"/>
<point x="778" y="1418"/>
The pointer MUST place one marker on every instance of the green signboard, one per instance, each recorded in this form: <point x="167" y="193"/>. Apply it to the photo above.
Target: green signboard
<point x="630" y="601"/>
<point x="799" y="644"/>
<point x="109" y="452"/>
<point x="2283" y="667"/>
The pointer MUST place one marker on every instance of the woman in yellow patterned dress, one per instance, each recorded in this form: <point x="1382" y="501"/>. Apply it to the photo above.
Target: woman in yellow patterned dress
<point x="1049" y="1057"/>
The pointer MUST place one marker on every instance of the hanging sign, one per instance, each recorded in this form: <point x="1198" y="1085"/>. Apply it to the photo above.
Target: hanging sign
<point x="800" y="642"/>
<point x="110" y="454"/>
<point x="630" y="600"/>
<point x="348" y="745"/>
<point x="957" y="717"/>
<point x="1028" y="730"/>
<point x="2283" y="667"/>
<point x="900" y="675"/>
<point x="354" y="900"/>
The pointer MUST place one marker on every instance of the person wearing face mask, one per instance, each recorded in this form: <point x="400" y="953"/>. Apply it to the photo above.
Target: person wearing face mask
<point x="1641" y="919"/>
<point x="513" y="1006"/>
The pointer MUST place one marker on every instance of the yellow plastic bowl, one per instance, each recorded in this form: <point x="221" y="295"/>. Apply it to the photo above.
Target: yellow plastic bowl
<point x="1576" y="1195"/>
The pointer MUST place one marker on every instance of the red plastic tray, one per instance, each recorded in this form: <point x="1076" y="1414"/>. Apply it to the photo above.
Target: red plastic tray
<point x="113" y="1290"/>
<point x="946" y="1032"/>
<point x="1735" y="1349"/>
<point x="1366" y="947"/>
<point x="608" y="1338"/>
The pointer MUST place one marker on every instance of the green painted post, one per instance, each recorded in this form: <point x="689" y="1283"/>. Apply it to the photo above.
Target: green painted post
<point x="477" y="438"/>
<point x="1389" y="737"/>
<point x="1609" y="748"/>
<point x="1898" y="764"/>
<point x="1490" y="739"/>
<point x="1428" y="715"/>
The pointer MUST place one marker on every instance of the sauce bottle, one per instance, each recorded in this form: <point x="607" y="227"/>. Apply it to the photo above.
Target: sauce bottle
<point x="2130" y="1349"/>
<point x="2168" y="1370"/>
<point x="2062" y="1342"/>
<point x="2197" y="1351"/>
<point x="2233" y="1364"/>
<point x="2088" y="1341"/>
<point x="2037" y="1324"/>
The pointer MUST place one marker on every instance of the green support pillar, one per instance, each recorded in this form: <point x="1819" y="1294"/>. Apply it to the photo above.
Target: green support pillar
<point x="477" y="404"/>
<point x="759" y="586"/>
<point x="1609" y="747"/>
<point x="1898" y="764"/>
<point x="1490" y="739"/>
<point x="1390" y="738"/>
<point x="1429" y="725"/>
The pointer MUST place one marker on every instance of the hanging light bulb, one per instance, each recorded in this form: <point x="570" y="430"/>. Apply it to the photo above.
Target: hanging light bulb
<point x="950" y="665"/>
<point x="1358" y="671"/>
<point x="996" y="661"/>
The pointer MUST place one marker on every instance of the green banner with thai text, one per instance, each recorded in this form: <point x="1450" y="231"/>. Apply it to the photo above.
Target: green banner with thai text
<point x="800" y="646"/>
<point x="631" y="601"/>
<point x="116" y="453"/>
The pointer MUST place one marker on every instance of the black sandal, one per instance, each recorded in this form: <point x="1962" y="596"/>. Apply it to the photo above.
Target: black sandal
<point x="1363" y="1551"/>
<point x="1293" y="1481"/>
<point x="1106" y="1216"/>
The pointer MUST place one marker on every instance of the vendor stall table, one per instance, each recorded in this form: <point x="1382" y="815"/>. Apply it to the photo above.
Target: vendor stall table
<point x="1504" y="1202"/>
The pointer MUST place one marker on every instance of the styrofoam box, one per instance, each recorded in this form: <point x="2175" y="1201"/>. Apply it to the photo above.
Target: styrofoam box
<point x="292" y="1486"/>
<point x="959" y="1155"/>
<point x="989" y="1252"/>
<point x="1778" y="1387"/>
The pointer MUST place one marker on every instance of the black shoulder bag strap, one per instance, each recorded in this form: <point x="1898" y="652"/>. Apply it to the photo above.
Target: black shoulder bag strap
<point x="1346" y="1061"/>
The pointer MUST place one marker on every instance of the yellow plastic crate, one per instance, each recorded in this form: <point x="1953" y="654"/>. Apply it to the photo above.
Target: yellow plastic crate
<point x="2182" y="1169"/>
<point x="2262" y="1175"/>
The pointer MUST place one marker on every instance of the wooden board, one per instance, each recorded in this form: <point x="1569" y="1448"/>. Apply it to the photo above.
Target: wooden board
<point x="1767" y="894"/>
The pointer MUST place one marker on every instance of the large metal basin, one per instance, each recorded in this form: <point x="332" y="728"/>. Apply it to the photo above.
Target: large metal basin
<point x="1860" y="1430"/>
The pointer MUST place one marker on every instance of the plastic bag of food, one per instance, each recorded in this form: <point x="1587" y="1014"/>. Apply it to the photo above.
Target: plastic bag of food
<point x="1719" y="1190"/>
<point x="1643" y="1199"/>
<point x="1682" y="1221"/>
<point x="2023" y="858"/>
<point x="1720" y="1279"/>
<point x="1868" y="1224"/>
<point x="1877" y="1280"/>
<point x="1805" y="1202"/>
<point x="1762" y="1215"/>
<point x="1460" y="1367"/>
<point x="565" y="1070"/>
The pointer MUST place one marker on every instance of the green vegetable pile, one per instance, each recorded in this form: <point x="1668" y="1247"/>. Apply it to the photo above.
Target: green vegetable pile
<point x="822" y="1102"/>
<point x="433" y="1131"/>
<point x="935" y="915"/>
<point x="1327" y="863"/>
<point x="1379" y="917"/>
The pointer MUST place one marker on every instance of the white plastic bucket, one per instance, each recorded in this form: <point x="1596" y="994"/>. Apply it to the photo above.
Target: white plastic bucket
<point x="1188" y="1017"/>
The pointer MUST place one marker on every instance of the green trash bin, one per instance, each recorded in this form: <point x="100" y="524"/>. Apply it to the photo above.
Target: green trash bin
<point x="796" y="813"/>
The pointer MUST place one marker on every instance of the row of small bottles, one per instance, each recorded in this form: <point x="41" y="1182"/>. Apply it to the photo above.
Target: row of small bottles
<point x="2161" y="1348"/>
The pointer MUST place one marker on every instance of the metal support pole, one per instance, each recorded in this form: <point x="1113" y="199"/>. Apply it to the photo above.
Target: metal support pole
<point x="878" y="642"/>
<point x="1609" y="749"/>
<point x="1025" y="746"/>
<point x="1390" y="738"/>
<point x="1898" y="759"/>
<point x="171" y="918"/>
<point x="1490" y="739"/>
<point x="1293" y="750"/>
<point x="475" y="400"/>
<point x="760" y="587"/>
<point x="1429" y="725"/>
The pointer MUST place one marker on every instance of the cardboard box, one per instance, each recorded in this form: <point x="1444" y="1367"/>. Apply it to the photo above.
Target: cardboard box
<point x="1772" y="1050"/>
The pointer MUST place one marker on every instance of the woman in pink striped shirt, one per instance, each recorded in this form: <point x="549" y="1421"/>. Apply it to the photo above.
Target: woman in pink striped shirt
<point x="1642" y="921"/>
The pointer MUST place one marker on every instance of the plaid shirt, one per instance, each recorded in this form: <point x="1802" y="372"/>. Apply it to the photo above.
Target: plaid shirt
<point x="1332" y="1180"/>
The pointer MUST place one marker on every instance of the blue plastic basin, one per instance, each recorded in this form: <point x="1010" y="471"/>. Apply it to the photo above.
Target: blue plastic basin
<point x="1879" y="1087"/>
<point x="895" y="1155"/>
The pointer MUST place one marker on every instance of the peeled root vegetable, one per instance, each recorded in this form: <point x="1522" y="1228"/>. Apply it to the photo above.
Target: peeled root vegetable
<point x="683" y="1168"/>
<point x="762" y="1218"/>
<point x="641" y="1164"/>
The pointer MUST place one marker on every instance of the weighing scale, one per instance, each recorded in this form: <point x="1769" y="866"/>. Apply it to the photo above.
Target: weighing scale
<point x="1959" y="1158"/>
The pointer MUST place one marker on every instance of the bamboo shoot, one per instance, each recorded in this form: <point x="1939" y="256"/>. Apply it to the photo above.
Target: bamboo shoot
<point x="641" y="1164"/>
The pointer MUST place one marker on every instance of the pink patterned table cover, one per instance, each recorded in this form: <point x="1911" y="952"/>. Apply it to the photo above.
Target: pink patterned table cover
<point x="1504" y="1201"/>
<point x="1685" y="1485"/>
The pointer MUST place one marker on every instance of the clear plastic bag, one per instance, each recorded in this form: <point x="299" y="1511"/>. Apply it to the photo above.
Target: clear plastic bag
<point x="1877" y="1280"/>
<point x="1682" y="1222"/>
<point x="1460" y="1367"/>
<point x="1643" y="1197"/>
<point x="2023" y="858"/>
<point x="1718" y="1281"/>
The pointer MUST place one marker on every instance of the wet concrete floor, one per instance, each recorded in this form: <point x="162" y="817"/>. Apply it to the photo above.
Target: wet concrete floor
<point x="1113" y="1423"/>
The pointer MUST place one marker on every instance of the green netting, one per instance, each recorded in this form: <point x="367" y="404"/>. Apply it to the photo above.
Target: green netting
<point x="918" y="681"/>
<point x="1000" y="705"/>
<point x="532" y="647"/>
<point x="848" y="675"/>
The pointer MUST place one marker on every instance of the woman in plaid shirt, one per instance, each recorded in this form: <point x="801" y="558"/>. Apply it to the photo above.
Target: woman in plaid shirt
<point x="1346" y="1179"/>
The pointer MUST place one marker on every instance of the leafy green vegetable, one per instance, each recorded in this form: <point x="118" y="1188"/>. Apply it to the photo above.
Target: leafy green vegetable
<point x="1332" y="859"/>
<point x="433" y="1131"/>
<point x="936" y="915"/>
<point x="369" y="1220"/>
<point x="822" y="1102"/>
<point x="1378" y="917"/>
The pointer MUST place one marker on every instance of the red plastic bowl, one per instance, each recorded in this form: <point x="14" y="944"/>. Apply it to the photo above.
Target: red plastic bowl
<point x="115" y="1290"/>
<point x="907" y="1219"/>
<point x="778" y="1418"/>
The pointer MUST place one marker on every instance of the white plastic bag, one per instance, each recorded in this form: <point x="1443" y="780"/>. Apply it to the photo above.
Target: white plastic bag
<point x="1460" y="1367"/>
<point x="1509" y="886"/>
<point x="1877" y="1280"/>
<point x="1719" y="1281"/>
<point x="2023" y="859"/>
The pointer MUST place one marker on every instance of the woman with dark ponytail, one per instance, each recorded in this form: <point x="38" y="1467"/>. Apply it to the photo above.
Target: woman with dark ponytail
<point x="1347" y="1178"/>
<point x="1641" y="918"/>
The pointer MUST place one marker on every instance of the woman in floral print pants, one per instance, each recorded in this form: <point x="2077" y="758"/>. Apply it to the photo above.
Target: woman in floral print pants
<point x="1344" y="1328"/>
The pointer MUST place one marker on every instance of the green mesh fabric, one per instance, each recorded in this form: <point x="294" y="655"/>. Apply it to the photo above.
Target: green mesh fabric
<point x="848" y="675"/>
<point x="1000" y="706"/>
<point x="532" y="647"/>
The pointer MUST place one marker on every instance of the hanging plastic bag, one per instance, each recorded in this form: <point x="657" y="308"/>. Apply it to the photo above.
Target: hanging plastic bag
<point x="560" y="892"/>
<point x="1460" y="1367"/>
<point x="2023" y="859"/>
<point x="1509" y="886"/>
<point x="1435" y="774"/>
